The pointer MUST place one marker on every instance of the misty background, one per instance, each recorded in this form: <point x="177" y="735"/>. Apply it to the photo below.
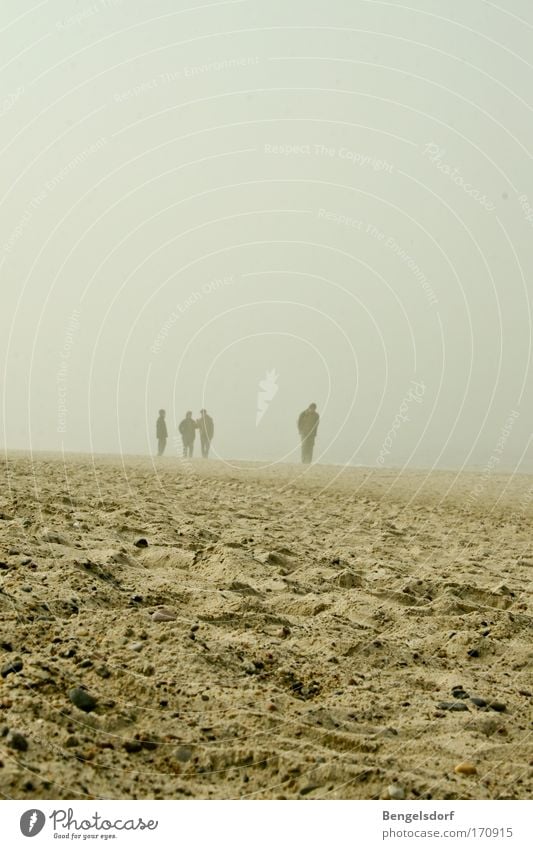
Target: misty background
<point x="335" y="198"/>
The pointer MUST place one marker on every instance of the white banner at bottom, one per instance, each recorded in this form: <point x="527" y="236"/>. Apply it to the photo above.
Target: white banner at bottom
<point x="242" y="825"/>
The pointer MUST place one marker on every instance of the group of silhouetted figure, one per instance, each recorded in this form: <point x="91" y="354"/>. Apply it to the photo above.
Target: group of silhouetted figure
<point x="307" y="425"/>
<point x="187" y="428"/>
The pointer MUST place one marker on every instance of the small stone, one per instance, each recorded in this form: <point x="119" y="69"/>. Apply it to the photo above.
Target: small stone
<point x="163" y="615"/>
<point x="478" y="702"/>
<point x="82" y="699"/>
<point x="149" y="745"/>
<point x="103" y="672"/>
<point x="500" y="707"/>
<point x="133" y="746"/>
<point x="459" y="693"/>
<point x="54" y="537"/>
<point x="348" y="580"/>
<point x="395" y="791"/>
<point x="68" y="653"/>
<point x="454" y="706"/>
<point x="465" y="768"/>
<point x="12" y="666"/>
<point x="85" y="664"/>
<point x="275" y="558"/>
<point x="71" y="742"/>
<point x="136" y="646"/>
<point x="141" y="543"/>
<point x="26" y="588"/>
<point x="17" y="741"/>
<point x="183" y="754"/>
<point x="473" y="652"/>
<point x="308" y="789"/>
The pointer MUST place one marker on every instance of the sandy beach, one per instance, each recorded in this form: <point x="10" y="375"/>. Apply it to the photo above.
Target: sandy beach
<point x="200" y="629"/>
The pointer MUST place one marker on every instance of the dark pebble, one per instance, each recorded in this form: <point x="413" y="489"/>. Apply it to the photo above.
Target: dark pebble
<point x="85" y="664"/>
<point x="473" y="653"/>
<point x="82" y="699"/>
<point x="498" y="706"/>
<point x="141" y="543"/>
<point x="133" y="746"/>
<point x="478" y="702"/>
<point x="18" y="742"/>
<point x="149" y="745"/>
<point x="67" y="653"/>
<point x="103" y="672"/>
<point x="183" y="754"/>
<point x="459" y="693"/>
<point x="308" y="789"/>
<point x="457" y="706"/>
<point x="71" y="742"/>
<point x="13" y="666"/>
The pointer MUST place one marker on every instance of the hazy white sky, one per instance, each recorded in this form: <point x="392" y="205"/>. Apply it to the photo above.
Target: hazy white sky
<point x="339" y="191"/>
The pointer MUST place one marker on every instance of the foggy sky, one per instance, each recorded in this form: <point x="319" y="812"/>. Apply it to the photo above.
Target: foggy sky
<point x="335" y="198"/>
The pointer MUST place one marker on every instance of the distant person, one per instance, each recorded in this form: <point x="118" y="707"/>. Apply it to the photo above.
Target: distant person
<point x="207" y="430"/>
<point x="187" y="428"/>
<point x="161" y="433"/>
<point x="307" y="428"/>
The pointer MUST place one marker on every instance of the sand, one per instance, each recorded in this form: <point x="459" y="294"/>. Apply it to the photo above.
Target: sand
<point x="314" y="620"/>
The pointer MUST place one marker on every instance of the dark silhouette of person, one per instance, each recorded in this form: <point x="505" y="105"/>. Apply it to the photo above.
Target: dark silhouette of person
<point x="207" y="430"/>
<point x="161" y="433"/>
<point x="187" y="428"/>
<point x="307" y="428"/>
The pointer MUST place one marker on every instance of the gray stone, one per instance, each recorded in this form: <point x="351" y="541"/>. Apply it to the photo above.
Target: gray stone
<point x="82" y="699"/>
<point x="456" y="706"/>
<point x="17" y="741"/>
<point x="14" y="665"/>
<point x="395" y="791"/>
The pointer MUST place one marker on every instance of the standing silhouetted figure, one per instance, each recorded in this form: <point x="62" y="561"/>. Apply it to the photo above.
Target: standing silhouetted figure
<point x="187" y="428"/>
<point x="207" y="430"/>
<point x="307" y="428"/>
<point x="161" y="433"/>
